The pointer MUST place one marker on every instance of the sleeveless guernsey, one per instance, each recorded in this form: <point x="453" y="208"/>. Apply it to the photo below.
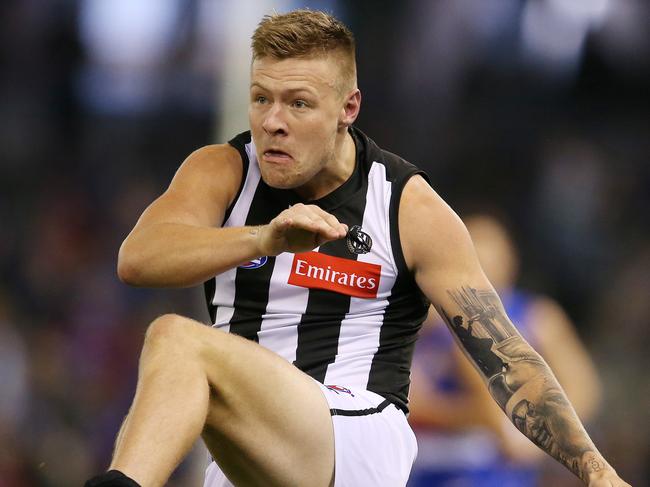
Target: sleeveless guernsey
<point x="346" y="313"/>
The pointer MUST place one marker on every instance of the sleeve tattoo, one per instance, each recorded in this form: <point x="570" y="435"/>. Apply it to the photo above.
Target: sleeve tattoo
<point x="520" y="381"/>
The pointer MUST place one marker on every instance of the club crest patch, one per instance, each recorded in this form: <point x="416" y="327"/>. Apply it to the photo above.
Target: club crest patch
<point x="358" y="241"/>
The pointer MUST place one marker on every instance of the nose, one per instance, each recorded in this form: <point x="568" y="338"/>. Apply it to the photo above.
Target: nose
<point x="274" y="122"/>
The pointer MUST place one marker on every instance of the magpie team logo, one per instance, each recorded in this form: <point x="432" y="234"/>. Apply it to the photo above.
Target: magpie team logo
<point x="255" y="263"/>
<point x="359" y="242"/>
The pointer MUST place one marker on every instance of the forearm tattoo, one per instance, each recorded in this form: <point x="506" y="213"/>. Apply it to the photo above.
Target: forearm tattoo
<point x="519" y="380"/>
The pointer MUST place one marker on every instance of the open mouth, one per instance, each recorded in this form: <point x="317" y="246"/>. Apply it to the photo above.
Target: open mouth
<point x="274" y="155"/>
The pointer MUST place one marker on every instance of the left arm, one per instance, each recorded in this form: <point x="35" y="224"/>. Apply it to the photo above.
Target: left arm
<point x="439" y="251"/>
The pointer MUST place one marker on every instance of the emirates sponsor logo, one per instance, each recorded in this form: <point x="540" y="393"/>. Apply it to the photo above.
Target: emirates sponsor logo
<point x="320" y="271"/>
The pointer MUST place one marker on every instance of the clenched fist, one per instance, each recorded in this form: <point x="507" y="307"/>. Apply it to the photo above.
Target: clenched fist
<point x="299" y="228"/>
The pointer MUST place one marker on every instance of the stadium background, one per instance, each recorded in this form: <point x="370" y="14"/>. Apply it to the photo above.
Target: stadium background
<point x="535" y="108"/>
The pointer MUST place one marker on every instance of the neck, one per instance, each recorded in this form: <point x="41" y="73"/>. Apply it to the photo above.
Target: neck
<point x="336" y="172"/>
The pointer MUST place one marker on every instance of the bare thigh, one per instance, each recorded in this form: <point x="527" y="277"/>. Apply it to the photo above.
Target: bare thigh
<point x="268" y="423"/>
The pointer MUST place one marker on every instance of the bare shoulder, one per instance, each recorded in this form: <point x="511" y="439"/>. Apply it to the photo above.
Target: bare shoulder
<point x="204" y="186"/>
<point x="213" y="172"/>
<point x="431" y="233"/>
<point x="216" y="164"/>
<point x="215" y="154"/>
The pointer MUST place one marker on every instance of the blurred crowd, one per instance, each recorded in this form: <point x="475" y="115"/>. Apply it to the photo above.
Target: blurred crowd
<point x="535" y="109"/>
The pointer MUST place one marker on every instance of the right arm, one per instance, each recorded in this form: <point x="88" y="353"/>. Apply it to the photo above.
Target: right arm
<point x="177" y="241"/>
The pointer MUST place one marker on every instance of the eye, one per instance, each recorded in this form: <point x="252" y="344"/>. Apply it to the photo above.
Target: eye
<point x="260" y="100"/>
<point x="299" y="104"/>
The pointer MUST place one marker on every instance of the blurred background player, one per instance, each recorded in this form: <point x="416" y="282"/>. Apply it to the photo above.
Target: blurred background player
<point x="463" y="437"/>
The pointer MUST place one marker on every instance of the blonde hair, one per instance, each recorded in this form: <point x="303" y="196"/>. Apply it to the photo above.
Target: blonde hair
<point x="306" y="33"/>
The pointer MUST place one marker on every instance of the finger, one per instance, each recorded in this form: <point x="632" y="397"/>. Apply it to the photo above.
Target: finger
<point x="333" y="228"/>
<point x="313" y="224"/>
<point x="280" y="224"/>
<point x="322" y="228"/>
<point x="331" y="220"/>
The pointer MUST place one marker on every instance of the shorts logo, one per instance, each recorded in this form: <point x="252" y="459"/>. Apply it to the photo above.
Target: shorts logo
<point x="359" y="242"/>
<point x="255" y="263"/>
<point x="345" y="276"/>
<point x="339" y="389"/>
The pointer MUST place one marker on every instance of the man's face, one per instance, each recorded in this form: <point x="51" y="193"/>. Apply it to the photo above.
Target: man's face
<point x="295" y="115"/>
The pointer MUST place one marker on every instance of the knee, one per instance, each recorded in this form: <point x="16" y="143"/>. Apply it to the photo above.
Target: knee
<point x="168" y="329"/>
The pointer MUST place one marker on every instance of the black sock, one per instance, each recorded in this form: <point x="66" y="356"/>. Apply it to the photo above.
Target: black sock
<point x="112" y="478"/>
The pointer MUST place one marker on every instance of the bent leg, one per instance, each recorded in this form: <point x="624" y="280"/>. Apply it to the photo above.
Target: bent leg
<point x="264" y="421"/>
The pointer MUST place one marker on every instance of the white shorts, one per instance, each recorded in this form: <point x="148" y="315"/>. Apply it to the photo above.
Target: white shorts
<point x="373" y="442"/>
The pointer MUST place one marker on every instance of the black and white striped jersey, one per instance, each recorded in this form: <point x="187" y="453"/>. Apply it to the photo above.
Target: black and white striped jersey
<point x="346" y="313"/>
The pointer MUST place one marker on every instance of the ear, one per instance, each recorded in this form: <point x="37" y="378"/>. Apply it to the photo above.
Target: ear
<point x="350" y="110"/>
